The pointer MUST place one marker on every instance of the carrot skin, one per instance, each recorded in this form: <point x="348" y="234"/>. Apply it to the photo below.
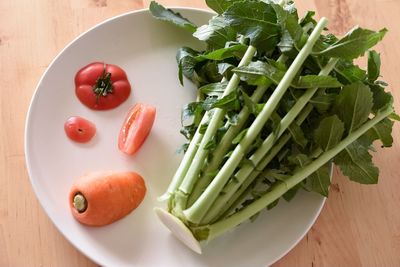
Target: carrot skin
<point x="110" y="196"/>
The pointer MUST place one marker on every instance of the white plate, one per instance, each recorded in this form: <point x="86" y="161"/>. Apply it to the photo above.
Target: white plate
<point x="146" y="49"/>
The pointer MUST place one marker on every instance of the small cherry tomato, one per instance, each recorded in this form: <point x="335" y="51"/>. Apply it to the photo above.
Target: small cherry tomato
<point x="102" y="86"/>
<point x="79" y="129"/>
<point x="136" y="128"/>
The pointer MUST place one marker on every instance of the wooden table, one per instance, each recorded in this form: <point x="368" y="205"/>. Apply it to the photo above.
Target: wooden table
<point x="359" y="225"/>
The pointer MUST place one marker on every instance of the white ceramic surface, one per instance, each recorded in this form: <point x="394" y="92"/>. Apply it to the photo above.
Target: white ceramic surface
<point x="146" y="49"/>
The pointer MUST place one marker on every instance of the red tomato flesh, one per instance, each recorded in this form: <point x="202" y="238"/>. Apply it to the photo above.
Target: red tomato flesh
<point x="136" y="128"/>
<point x="101" y="86"/>
<point x="79" y="129"/>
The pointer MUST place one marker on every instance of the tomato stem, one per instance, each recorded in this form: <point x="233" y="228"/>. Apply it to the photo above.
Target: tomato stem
<point x="103" y="85"/>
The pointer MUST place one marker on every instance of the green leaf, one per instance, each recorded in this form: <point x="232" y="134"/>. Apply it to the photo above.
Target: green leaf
<point x="289" y="195"/>
<point x="320" y="180"/>
<point x="216" y="33"/>
<point x="329" y="132"/>
<point x="276" y="123"/>
<point x="255" y="20"/>
<point x="282" y="154"/>
<point x="192" y="111"/>
<point x="188" y="131"/>
<point x="237" y="50"/>
<point x="210" y="145"/>
<point x="224" y="68"/>
<point x="308" y="18"/>
<point x="300" y="160"/>
<point x="381" y="131"/>
<point x="162" y="13"/>
<point x="292" y="31"/>
<point x="182" y="148"/>
<point x="186" y="58"/>
<point x="249" y="103"/>
<point x="259" y="73"/>
<point x="394" y="116"/>
<point x="381" y="98"/>
<point x="316" y="81"/>
<point x="356" y="163"/>
<point x="323" y="103"/>
<point x="354" y="105"/>
<point x="298" y="135"/>
<point x="207" y="73"/>
<point x="203" y="128"/>
<point x="374" y="65"/>
<point x="349" y="73"/>
<point x="214" y="89"/>
<point x="354" y="44"/>
<point x="220" y="6"/>
<point x="286" y="44"/>
<point x="278" y="175"/>
<point x="270" y="206"/>
<point x="239" y="137"/>
<point x="228" y="102"/>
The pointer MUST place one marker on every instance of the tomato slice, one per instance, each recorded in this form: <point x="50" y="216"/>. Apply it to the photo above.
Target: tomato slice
<point x="136" y="128"/>
<point x="79" y="129"/>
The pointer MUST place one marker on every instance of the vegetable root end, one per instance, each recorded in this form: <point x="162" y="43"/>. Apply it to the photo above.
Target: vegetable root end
<point x="179" y="230"/>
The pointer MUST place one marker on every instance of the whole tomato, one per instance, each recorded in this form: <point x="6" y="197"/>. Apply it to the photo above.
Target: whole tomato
<point x="102" y="86"/>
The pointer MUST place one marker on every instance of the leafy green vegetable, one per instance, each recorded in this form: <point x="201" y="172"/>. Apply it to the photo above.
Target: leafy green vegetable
<point x="260" y="73"/>
<point x="279" y="101"/>
<point x="220" y="6"/>
<point x="254" y="20"/>
<point x="329" y="132"/>
<point x="224" y="53"/>
<point x="312" y="81"/>
<point x="374" y="65"/>
<point x="186" y="58"/>
<point x="382" y="131"/>
<point x="349" y="73"/>
<point x="354" y="104"/>
<point x="216" y="33"/>
<point x="354" y="44"/>
<point x="320" y="180"/>
<point x="214" y="89"/>
<point x="356" y="163"/>
<point x="165" y="14"/>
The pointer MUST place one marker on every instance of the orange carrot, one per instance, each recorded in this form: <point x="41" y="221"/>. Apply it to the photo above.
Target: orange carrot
<point x="101" y="198"/>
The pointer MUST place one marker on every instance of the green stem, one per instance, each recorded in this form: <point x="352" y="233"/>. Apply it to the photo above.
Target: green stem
<point x="197" y="211"/>
<point x="201" y="154"/>
<point x="244" y="189"/>
<point x="186" y="161"/>
<point x="266" y="146"/>
<point x="221" y="227"/>
<point x="225" y="144"/>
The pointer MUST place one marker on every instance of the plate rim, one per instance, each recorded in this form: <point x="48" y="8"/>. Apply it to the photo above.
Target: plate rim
<point x="28" y="126"/>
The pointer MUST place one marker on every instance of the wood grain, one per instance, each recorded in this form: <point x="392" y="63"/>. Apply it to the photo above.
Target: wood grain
<point x="359" y="226"/>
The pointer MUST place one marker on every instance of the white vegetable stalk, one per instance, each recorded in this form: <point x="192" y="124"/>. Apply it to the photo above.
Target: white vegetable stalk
<point x="197" y="211"/>
<point x="218" y="228"/>
<point x="260" y="153"/>
<point x="242" y="191"/>
<point x="226" y="141"/>
<point x="188" y="167"/>
<point x="198" y="161"/>
<point x="186" y="161"/>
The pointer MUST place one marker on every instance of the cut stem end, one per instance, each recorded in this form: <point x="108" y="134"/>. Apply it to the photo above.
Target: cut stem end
<point x="179" y="230"/>
<point x="80" y="203"/>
